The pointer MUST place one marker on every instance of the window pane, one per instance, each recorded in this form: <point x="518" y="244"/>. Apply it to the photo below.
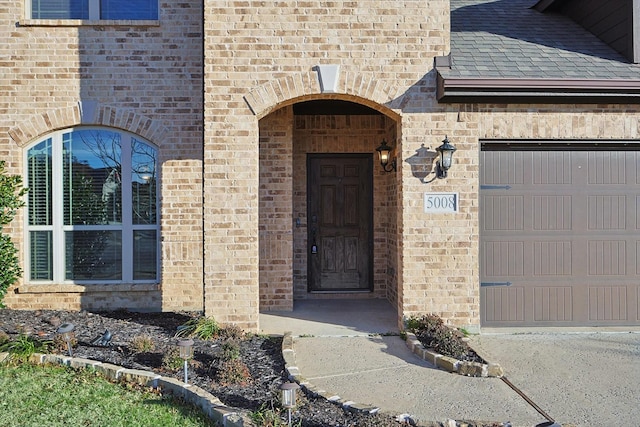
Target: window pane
<point x="143" y="183"/>
<point x="93" y="255"/>
<point x="129" y="9"/>
<point x="60" y="9"/>
<point x="92" y="178"/>
<point x="41" y="267"/>
<point x="39" y="183"/>
<point x="78" y="174"/>
<point x="145" y="246"/>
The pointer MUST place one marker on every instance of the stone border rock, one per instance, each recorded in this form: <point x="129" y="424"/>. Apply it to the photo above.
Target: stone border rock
<point x="450" y="364"/>
<point x="210" y="405"/>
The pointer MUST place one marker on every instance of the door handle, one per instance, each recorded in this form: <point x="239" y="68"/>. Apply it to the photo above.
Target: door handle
<point x="314" y="245"/>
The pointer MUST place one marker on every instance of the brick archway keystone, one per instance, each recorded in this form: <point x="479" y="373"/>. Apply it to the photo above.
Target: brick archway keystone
<point x="363" y="88"/>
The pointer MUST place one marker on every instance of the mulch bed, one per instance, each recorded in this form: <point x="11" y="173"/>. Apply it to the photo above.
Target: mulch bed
<point x="261" y="355"/>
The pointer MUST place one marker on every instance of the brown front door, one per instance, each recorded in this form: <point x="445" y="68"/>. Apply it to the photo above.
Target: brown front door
<point x="340" y="243"/>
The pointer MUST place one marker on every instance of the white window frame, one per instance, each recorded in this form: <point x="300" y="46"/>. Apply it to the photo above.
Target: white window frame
<point x="58" y="228"/>
<point x="94" y="11"/>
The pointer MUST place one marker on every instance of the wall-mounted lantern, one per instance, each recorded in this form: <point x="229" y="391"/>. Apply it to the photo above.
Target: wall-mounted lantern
<point x="446" y="151"/>
<point x="145" y="173"/>
<point x="384" y="153"/>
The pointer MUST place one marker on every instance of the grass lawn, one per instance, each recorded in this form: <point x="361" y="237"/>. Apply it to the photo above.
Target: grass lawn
<point x="59" y="396"/>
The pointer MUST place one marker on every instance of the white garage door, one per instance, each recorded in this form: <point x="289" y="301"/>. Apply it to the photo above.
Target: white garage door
<point x="560" y="234"/>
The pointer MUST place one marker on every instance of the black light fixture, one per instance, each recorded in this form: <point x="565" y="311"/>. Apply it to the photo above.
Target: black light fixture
<point x="384" y="152"/>
<point x="446" y="151"/>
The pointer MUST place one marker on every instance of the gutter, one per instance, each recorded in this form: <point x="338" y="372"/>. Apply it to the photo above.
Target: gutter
<point x="574" y="91"/>
<point x="532" y="90"/>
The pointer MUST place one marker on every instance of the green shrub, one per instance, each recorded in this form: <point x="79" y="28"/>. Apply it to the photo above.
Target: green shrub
<point x="233" y="372"/>
<point x="171" y="360"/>
<point x="204" y="328"/>
<point x="267" y="416"/>
<point x="11" y="192"/>
<point x="59" y="344"/>
<point x="230" y="350"/>
<point x="428" y="322"/>
<point x="4" y="337"/>
<point x="23" y="347"/>
<point x="142" y="344"/>
<point x="231" y="332"/>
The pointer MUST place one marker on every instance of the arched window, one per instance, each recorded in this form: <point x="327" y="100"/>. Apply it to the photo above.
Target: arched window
<point x="92" y="208"/>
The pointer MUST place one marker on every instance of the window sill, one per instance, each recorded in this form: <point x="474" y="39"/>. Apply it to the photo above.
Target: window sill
<point x="87" y="23"/>
<point x="70" y="288"/>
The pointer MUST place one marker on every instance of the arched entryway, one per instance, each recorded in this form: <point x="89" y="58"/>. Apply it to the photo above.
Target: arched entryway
<point x="328" y="216"/>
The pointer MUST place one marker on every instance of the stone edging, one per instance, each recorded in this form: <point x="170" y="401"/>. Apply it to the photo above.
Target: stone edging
<point x="450" y="364"/>
<point x="210" y="405"/>
<point x="294" y="374"/>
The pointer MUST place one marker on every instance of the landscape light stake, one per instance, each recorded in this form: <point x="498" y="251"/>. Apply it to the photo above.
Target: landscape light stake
<point x="186" y="353"/>
<point x="289" y="396"/>
<point x="66" y="330"/>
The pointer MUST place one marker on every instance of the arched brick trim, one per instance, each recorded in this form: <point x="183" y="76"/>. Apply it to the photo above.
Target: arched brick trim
<point x="363" y="88"/>
<point x="61" y="118"/>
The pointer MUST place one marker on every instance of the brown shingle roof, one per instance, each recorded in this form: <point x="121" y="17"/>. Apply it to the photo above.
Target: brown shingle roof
<point x="507" y="42"/>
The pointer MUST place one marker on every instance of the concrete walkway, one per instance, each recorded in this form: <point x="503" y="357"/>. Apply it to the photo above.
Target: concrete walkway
<point x="348" y="348"/>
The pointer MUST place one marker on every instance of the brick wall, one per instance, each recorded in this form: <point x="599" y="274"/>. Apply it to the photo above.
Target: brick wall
<point x="232" y="153"/>
<point x="260" y="57"/>
<point x="276" y="211"/>
<point x="145" y="79"/>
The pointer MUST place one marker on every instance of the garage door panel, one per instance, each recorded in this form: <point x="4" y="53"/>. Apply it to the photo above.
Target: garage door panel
<point x="560" y="241"/>
<point x="607" y="258"/>
<point x="504" y="212"/>
<point x="504" y="168"/>
<point x="505" y="304"/>
<point x="553" y="304"/>
<point x="550" y="167"/>
<point x="608" y="167"/>
<point x="552" y="258"/>
<point x="552" y="212"/>
<point x="503" y="259"/>
<point x="608" y="303"/>
<point x="607" y="212"/>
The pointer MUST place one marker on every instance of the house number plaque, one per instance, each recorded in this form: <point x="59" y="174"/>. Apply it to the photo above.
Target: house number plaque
<point x="441" y="202"/>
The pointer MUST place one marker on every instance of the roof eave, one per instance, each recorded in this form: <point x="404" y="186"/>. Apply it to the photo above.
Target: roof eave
<point x="543" y="5"/>
<point x="537" y="91"/>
